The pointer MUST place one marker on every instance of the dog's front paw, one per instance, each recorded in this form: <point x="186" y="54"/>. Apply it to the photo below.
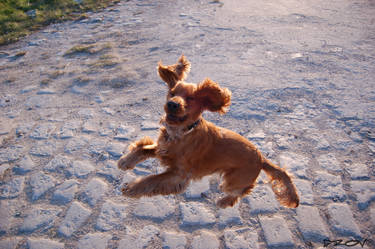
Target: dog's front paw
<point x="227" y="201"/>
<point x="126" y="162"/>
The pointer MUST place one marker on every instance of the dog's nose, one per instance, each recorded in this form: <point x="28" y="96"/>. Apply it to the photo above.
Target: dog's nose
<point x="173" y="106"/>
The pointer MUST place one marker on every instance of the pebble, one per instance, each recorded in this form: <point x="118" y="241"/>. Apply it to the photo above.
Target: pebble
<point x="365" y="192"/>
<point x="24" y="166"/>
<point x="157" y="207"/>
<point x="94" y="190"/>
<point x="80" y="169"/>
<point x="40" y="183"/>
<point x="76" y="144"/>
<point x="172" y="240"/>
<point x="112" y="216"/>
<point x="197" y="188"/>
<point x="205" y="240"/>
<point x="69" y="129"/>
<point x="39" y="217"/>
<point x="65" y="192"/>
<point x="342" y="220"/>
<point x="10" y="154"/>
<point x="294" y="163"/>
<point x="330" y="186"/>
<point x="235" y="240"/>
<point x="40" y="243"/>
<point x="90" y="126"/>
<point x="276" y="232"/>
<point x="77" y="214"/>
<point x="94" y="241"/>
<point x="195" y="213"/>
<point x="13" y="188"/>
<point x="262" y="200"/>
<point x="311" y="224"/>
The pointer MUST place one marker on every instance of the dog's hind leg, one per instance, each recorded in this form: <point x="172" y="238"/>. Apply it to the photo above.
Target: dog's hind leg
<point x="169" y="182"/>
<point x="138" y="152"/>
<point x="237" y="183"/>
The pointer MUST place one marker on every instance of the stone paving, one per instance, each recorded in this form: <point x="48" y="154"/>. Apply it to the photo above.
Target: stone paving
<point x="75" y="94"/>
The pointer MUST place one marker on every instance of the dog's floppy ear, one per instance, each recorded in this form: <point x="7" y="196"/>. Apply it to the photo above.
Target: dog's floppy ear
<point x="174" y="73"/>
<point x="212" y="96"/>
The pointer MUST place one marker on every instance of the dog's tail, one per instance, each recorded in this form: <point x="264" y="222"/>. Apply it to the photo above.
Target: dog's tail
<point x="173" y="73"/>
<point x="282" y="185"/>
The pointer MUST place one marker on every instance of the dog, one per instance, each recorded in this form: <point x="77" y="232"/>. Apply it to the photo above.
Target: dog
<point x="191" y="147"/>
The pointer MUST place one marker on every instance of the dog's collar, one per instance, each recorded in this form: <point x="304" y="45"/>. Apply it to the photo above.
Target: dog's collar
<point x="191" y="127"/>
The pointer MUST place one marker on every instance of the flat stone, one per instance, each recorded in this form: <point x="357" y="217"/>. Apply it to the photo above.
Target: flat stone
<point x="195" y="213"/>
<point x="115" y="149"/>
<point x="65" y="192"/>
<point x="46" y="91"/>
<point x="10" y="243"/>
<point x="24" y="166"/>
<point x="110" y="171"/>
<point x="265" y="147"/>
<point x="3" y="169"/>
<point x="319" y="139"/>
<point x="157" y="207"/>
<point x="112" y="216"/>
<point x="43" y="149"/>
<point x="342" y="220"/>
<point x="229" y="216"/>
<point x="235" y="240"/>
<point x="39" y="101"/>
<point x="28" y="89"/>
<point x="42" y="131"/>
<point x="94" y="191"/>
<point x="276" y="232"/>
<point x="197" y="188"/>
<point x="94" y="241"/>
<point x="39" y="218"/>
<point x="305" y="191"/>
<point x="149" y="125"/>
<point x="80" y="169"/>
<point x="86" y="113"/>
<point x="262" y="200"/>
<point x="69" y="129"/>
<point x="172" y="240"/>
<point x="90" y="126"/>
<point x="205" y="240"/>
<point x="372" y="213"/>
<point x="124" y="132"/>
<point x="76" y="144"/>
<point x="10" y="154"/>
<point x="13" y="188"/>
<point x="311" y="224"/>
<point x="329" y="186"/>
<point x="329" y="162"/>
<point x="358" y="171"/>
<point x="5" y="216"/>
<point x="59" y="163"/>
<point x="75" y="217"/>
<point x="143" y="238"/>
<point x="257" y="134"/>
<point x="41" y="183"/>
<point x="296" y="164"/>
<point x="365" y="192"/>
<point x="40" y="243"/>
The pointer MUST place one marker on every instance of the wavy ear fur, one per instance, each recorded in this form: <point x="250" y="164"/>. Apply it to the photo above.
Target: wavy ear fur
<point x="213" y="97"/>
<point x="173" y="73"/>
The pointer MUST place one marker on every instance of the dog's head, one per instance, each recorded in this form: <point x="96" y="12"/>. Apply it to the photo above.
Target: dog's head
<point x="186" y="101"/>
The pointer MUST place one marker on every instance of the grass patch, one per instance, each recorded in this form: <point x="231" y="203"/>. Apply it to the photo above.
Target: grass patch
<point x="88" y="49"/>
<point x="19" y="18"/>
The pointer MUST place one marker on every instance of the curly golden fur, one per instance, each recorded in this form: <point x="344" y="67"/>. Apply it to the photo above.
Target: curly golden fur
<point x="190" y="147"/>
